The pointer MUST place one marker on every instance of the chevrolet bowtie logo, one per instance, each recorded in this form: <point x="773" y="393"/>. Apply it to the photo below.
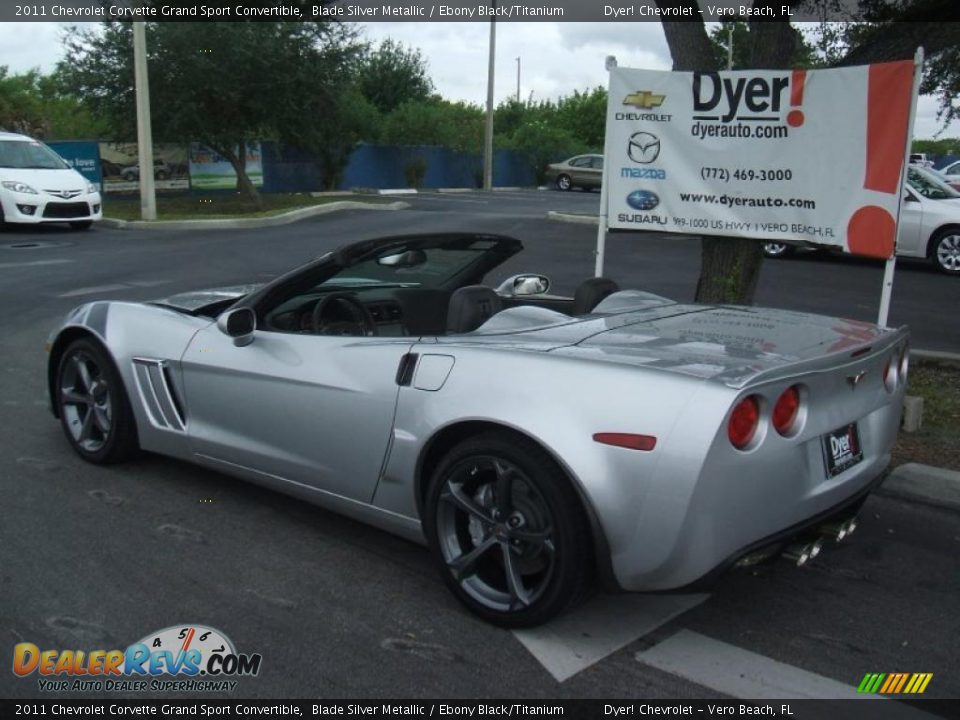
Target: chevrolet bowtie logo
<point x="855" y="379"/>
<point x="644" y="99"/>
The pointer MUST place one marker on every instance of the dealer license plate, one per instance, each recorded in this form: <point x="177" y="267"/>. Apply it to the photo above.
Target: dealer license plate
<point x="841" y="449"/>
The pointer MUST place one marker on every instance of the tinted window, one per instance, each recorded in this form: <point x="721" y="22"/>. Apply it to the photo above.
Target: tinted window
<point x="930" y="186"/>
<point x="29" y="155"/>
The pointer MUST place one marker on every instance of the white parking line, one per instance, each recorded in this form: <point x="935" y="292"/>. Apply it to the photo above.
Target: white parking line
<point x="450" y="198"/>
<point x="35" y="262"/>
<point x="96" y="289"/>
<point x="743" y="674"/>
<point x="602" y="626"/>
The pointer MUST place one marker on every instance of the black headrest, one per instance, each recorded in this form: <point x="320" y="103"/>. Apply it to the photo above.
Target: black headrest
<point x="470" y="307"/>
<point x="591" y="292"/>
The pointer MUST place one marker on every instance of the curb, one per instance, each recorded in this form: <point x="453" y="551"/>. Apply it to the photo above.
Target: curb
<point x="924" y="484"/>
<point x="241" y="223"/>
<point x="573" y="218"/>
<point x="934" y="356"/>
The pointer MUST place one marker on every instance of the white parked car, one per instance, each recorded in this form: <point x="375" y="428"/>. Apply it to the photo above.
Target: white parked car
<point x="929" y="222"/>
<point x="38" y="186"/>
<point x="951" y="171"/>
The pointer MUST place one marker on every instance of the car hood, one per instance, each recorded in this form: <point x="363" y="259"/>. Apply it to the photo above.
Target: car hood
<point x="63" y="179"/>
<point x="195" y="301"/>
<point x="729" y="344"/>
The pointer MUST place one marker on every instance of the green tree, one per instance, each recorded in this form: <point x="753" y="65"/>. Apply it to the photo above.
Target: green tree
<point x="20" y="103"/>
<point x="221" y="84"/>
<point x="436" y="122"/>
<point x="804" y="53"/>
<point x="943" y="146"/>
<point x="393" y="74"/>
<point x="36" y="105"/>
<point x="542" y="142"/>
<point x="584" y="116"/>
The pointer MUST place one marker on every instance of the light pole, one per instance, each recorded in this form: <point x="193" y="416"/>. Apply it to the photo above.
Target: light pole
<point x="148" y="195"/>
<point x="518" y="80"/>
<point x="488" y="130"/>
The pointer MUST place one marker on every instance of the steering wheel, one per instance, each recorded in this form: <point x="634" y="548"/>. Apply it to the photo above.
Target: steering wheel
<point x="362" y="323"/>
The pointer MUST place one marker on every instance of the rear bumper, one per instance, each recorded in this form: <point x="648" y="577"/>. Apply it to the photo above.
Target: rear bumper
<point x="777" y="542"/>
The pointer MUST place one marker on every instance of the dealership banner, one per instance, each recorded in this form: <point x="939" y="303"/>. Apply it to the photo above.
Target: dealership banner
<point x="811" y="156"/>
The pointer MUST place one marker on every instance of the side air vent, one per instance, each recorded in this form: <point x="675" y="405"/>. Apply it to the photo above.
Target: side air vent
<point x="159" y="394"/>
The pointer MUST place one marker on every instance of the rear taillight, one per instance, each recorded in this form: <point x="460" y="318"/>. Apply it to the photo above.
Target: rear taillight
<point x="786" y="410"/>
<point x="743" y="422"/>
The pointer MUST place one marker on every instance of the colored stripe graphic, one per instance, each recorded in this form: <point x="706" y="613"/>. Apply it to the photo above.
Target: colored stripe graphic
<point x="889" y="89"/>
<point x="894" y="683"/>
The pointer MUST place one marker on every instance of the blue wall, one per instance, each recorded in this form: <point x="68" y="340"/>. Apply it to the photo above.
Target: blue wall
<point x="287" y="169"/>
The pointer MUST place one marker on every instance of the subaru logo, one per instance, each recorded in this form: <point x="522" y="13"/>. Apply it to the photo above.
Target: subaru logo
<point x="643" y="147"/>
<point x="643" y="200"/>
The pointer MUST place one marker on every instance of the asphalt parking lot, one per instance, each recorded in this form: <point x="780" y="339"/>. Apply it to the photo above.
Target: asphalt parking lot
<point x="95" y="557"/>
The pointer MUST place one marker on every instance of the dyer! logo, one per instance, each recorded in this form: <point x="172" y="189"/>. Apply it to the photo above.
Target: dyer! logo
<point x="748" y="98"/>
<point x="184" y="650"/>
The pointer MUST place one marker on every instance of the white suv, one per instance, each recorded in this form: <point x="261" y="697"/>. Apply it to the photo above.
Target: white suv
<point x="38" y="186"/>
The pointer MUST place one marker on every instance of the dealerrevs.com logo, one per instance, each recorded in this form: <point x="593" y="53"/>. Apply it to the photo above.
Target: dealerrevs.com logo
<point x="180" y="658"/>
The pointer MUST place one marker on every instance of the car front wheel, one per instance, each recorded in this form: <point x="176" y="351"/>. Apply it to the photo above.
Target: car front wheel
<point x="564" y="182"/>
<point x="94" y="408"/>
<point x="946" y="251"/>
<point x="507" y="530"/>
<point x="776" y="250"/>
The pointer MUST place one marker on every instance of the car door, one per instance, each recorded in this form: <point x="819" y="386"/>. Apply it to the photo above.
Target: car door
<point x="910" y="240"/>
<point x="596" y="167"/>
<point x="315" y="410"/>
<point x="580" y="170"/>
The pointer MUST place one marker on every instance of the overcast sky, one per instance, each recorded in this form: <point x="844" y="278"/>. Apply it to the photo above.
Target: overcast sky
<point x="555" y="58"/>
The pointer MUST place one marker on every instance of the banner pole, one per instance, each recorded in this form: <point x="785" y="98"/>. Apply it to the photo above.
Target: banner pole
<point x="886" y="292"/>
<point x="602" y="218"/>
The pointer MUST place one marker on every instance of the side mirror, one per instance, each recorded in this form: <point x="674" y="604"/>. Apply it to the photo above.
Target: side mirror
<point x="238" y="323"/>
<point x="526" y="284"/>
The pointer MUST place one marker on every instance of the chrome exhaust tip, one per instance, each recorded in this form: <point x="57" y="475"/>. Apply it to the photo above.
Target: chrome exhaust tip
<point x="802" y="553"/>
<point x="838" y="531"/>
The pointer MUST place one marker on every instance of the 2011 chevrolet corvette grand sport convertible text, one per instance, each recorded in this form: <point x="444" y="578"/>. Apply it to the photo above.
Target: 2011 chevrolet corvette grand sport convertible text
<point x="536" y="443"/>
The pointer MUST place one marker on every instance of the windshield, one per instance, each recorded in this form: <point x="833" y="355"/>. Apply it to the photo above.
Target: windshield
<point x="32" y="155"/>
<point x="929" y="185"/>
<point x="429" y="268"/>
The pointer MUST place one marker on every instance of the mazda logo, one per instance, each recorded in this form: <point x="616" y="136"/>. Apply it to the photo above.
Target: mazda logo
<point x="643" y="147"/>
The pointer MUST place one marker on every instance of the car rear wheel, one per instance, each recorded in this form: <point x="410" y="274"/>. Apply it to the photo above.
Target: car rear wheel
<point x="564" y="182"/>
<point x="81" y="225"/>
<point x="507" y="530"/>
<point x="777" y="250"/>
<point x="946" y="251"/>
<point x="94" y="409"/>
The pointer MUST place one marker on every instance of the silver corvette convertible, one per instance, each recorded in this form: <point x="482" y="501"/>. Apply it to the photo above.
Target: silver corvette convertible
<point x="535" y="443"/>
